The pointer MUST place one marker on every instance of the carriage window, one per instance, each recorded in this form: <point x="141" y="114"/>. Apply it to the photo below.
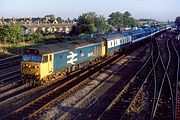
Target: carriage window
<point x="45" y="59"/>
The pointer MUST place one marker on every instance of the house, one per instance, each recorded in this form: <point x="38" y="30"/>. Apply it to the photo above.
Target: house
<point x="43" y="24"/>
<point x="48" y="28"/>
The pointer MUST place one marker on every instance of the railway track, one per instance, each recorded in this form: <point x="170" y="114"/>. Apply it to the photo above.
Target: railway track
<point x="99" y="97"/>
<point x="158" y="77"/>
<point x="156" y="98"/>
<point x="162" y="106"/>
<point x="10" y="86"/>
<point x="4" y="55"/>
<point x="10" y="80"/>
<point x="9" y="69"/>
<point x="118" y="107"/>
<point x="165" y="105"/>
<point x="9" y="62"/>
<point x="9" y="74"/>
<point x="178" y="75"/>
<point x="174" y="75"/>
<point x="13" y="92"/>
<point x="52" y="94"/>
<point x="143" y="98"/>
<point x="104" y="97"/>
<point x="7" y="78"/>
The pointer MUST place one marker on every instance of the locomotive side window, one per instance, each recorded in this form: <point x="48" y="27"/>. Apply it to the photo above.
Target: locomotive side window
<point x="50" y="58"/>
<point x="45" y="59"/>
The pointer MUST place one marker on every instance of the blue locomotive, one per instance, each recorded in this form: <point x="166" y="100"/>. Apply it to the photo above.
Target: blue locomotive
<point x="42" y="63"/>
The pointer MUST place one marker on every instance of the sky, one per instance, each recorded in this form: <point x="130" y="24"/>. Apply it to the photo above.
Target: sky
<point x="162" y="10"/>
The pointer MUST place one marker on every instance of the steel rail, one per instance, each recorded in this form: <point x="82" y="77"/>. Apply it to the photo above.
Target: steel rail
<point x="55" y="89"/>
<point x="8" y="79"/>
<point x="126" y="87"/>
<point x="176" y="76"/>
<point x="75" y="87"/>
<point x="10" y="92"/>
<point x="155" y="82"/>
<point x="170" y="54"/>
<point x="141" y="88"/>
<point x="166" y="74"/>
<point x="99" y="100"/>
<point x="12" y="57"/>
<point x="10" y="86"/>
<point x="11" y="72"/>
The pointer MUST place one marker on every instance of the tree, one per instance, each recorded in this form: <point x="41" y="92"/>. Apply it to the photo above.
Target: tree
<point x="73" y="30"/>
<point x="90" y="23"/>
<point x="101" y="25"/>
<point x="3" y="33"/>
<point x="16" y="31"/>
<point x="59" y="19"/>
<point x="116" y="20"/>
<point x="36" y="37"/>
<point x="119" y="20"/>
<point x="127" y="14"/>
<point x="52" y="17"/>
<point x="13" y="32"/>
<point x="87" y="18"/>
<point x="86" y="23"/>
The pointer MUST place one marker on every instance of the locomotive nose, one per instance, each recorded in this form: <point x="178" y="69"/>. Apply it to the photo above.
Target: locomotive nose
<point x="30" y="69"/>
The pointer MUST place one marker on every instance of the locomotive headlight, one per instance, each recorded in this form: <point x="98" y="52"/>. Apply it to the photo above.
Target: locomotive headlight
<point x="29" y="66"/>
<point x="24" y="66"/>
<point x="37" y="74"/>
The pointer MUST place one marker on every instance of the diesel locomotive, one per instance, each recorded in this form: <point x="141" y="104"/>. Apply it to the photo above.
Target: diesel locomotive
<point x="42" y="63"/>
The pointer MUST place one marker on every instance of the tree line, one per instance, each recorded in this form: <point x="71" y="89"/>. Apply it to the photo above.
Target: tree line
<point x="92" y="23"/>
<point x="87" y="23"/>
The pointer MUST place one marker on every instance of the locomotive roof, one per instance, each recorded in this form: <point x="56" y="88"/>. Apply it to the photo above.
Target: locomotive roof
<point x="50" y="48"/>
<point x="45" y="49"/>
<point x="80" y="43"/>
<point x="109" y="37"/>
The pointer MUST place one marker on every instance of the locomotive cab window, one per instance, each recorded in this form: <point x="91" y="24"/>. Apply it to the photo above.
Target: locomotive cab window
<point x="45" y="59"/>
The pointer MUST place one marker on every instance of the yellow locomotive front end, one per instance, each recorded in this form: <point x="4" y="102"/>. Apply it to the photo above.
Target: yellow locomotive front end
<point x="37" y="65"/>
<point x="30" y="67"/>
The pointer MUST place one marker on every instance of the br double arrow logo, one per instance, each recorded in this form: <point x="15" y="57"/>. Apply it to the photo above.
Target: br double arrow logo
<point x="72" y="59"/>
